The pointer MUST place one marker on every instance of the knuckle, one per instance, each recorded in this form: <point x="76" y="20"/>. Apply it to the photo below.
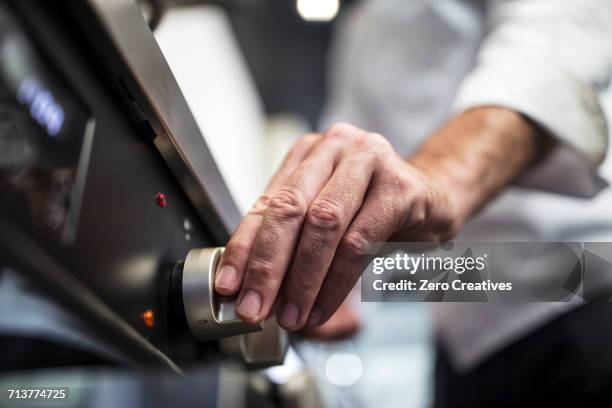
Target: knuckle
<point x="417" y="221"/>
<point x="287" y="204"/>
<point x="418" y="213"/>
<point x="309" y="138"/>
<point x="374" y="142"/>
<point x="268" y="237"/>
<point x="309" y="253"/>
<point x="401" y="182"/>
<point x="377" y="149"/>
<point x="261" y="273"/>
<point x="303" y="143"/>
<point x="354" y="246"/>
<point x="302" y="286"/>
<point x="339" y="130"/>
<point x="419" y="218"/>
<point x="392" y="180"/>
<point x="261" y="204"/>
<point x="379" y="140"/>
<point x="235" y="247"/>
<point x="325" y="215"/>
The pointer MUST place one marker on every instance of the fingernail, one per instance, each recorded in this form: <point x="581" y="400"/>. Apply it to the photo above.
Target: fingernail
<point x="314" y="318"/>
<point x="226" y="277"/>
<point x="250" y="305"/>
<point x="289" y="316"/>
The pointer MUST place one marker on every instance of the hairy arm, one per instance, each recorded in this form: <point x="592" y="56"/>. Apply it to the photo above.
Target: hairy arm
<point x="478" y="153"/>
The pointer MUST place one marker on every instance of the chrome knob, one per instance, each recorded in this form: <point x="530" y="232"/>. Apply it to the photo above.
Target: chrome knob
<point x="260" y="349"/>
<point x="265" y="348"/>
<point x="209" y="315"/>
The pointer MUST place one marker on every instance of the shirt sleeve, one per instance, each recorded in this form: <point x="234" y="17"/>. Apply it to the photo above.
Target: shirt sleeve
<point x="549" y="60"/>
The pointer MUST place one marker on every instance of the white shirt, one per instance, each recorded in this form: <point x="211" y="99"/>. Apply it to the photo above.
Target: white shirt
<point x="401" y="68"/>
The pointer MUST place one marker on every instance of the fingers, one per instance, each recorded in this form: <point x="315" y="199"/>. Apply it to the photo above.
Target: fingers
<point x="233" y="263"/>
<point x="302" y="148"/>
<point x="376" y="222"/>
<point x="280" y="229"/>
<point x="302" y="240"/>
<point x="325" y="223"/>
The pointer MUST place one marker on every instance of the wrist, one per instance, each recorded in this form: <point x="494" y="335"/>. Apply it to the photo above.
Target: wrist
<point x="477" y="154"/>
<point x="448" y="195"/>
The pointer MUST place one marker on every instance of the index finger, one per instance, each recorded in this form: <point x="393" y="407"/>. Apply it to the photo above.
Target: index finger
<point x="234" y="260"/>
<point x="280" y="229"/>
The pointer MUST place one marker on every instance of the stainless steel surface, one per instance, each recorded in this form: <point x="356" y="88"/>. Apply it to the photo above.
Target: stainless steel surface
<point x="261" y="349"/>
<point x="61" y="285"/>
<point x="208" y="315"/>
<point x="156" y="94"/>
<point x="68" y="234"/>
<point x="265" y="348"/>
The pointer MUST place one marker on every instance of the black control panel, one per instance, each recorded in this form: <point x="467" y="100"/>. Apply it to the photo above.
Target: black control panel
<point x="45" y="134"/>
<point x="81" y="178"/>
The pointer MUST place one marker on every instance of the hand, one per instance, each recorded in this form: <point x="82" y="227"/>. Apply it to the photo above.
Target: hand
<point x="301" y="246"/>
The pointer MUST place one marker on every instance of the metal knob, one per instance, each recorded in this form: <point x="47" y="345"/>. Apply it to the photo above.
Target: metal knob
<point x="209" y="315"/>
<point x="265" y="348"/>
<point x="261" y="349"/>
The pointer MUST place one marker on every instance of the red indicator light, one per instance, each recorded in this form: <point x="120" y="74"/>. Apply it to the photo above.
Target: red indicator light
<point x="160" y="199"/>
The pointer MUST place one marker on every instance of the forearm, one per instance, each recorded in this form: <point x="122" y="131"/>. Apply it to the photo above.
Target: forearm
<point x="550" y="60"/>
<point x="478" y="153"/>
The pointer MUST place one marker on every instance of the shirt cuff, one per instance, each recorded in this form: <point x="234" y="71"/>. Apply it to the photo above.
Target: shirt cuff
<point x="562" y="105"/>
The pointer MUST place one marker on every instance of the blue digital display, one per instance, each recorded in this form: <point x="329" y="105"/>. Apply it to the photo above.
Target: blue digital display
<point x="43" y="125"/>
<point x="43" y="106"/>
